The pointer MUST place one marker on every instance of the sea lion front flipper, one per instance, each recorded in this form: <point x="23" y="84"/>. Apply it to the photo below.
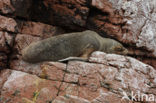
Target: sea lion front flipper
<point x="73" y="58"/>
<point x="87" y="53"/>
<point x="83" y="57"/>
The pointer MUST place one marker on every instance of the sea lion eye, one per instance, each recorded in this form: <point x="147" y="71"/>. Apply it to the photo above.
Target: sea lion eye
<point x="118" y="48"/>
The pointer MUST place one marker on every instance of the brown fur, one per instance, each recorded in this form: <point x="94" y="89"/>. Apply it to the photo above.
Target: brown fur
<point x="80" y="44"/>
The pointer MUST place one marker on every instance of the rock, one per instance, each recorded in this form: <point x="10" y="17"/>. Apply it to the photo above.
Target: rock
<point x="142" y="55"/>
<point x="20" y="42"/>
<point x="4" y="74"/>
<point x="46" y="70"/>
<point x="138" y="22"/>
<point x="104" y="76"/>
<point x="149" y="61"/>
<point x="8" y="24"/>
<point x="22" y="7"/>
<point x="103" y="5"/>
<point x="70" y="98"/>
<point x="110" y="97"/>
<point x="72" y="14"/>
<point x="20" y="65"/>
<point x="131" y="22"/>
<point x="3" y="61"/>
<point x="23" y="40"/>
<point x="29" y="27"/>
<point x="106" y="21"/>
<point x="17" y="34"/>
<point x="39" y="29"/>
<point x="6" y="42"/>
<point x="21" y="87"/>
<point x="50" y="71"/>
<point x="6" y="7"/>
<point x="19" y="8"/>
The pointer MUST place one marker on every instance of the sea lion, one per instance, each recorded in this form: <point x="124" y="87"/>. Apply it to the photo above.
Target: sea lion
<point x="79" y="44"/>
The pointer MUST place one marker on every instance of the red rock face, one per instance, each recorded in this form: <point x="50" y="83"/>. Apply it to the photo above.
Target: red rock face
<point x="105" y="20"/>
<point x="68" y="13"/>
<point x="7" y="24"/>
<point x="6" y="40"/>
<point x="17" y="34"/>
<point x="104" y="78"/>
<point x="6" y="7"/>
<point x="3" y="60"/>
<point x="39" y="29"/>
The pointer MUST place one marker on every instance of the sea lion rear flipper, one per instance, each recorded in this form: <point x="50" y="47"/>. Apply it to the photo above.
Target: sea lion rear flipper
<point x="83" y="57"/>
<point x="73" y="58"/>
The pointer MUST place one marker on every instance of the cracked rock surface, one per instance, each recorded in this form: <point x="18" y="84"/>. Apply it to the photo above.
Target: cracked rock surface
<point x="105" y="78"/>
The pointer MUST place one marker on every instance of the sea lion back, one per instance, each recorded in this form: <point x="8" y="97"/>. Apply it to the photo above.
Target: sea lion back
<point x="60" y="47"/>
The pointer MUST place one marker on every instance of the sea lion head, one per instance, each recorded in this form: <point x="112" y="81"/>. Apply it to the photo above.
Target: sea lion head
<point x="118" y="48"/>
